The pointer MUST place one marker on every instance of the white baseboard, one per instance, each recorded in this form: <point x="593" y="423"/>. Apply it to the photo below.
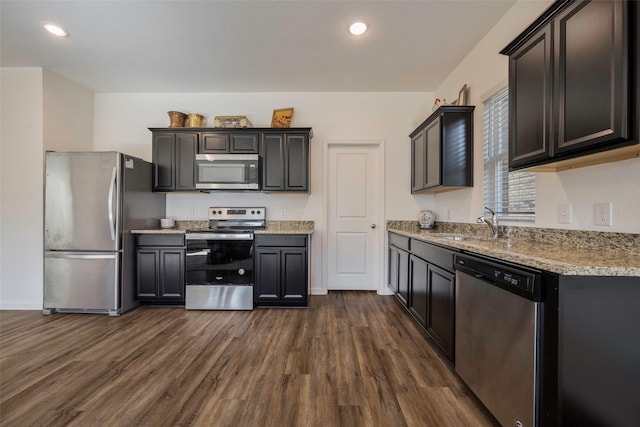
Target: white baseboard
<point x="386" y="291"/>
<point x="20" y="306"/>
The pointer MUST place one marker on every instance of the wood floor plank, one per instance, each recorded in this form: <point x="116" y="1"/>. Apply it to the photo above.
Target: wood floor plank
<point x="350" y="359"/>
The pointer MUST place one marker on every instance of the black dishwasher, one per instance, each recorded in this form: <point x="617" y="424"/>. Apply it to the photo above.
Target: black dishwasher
<point x="498" y="337"/>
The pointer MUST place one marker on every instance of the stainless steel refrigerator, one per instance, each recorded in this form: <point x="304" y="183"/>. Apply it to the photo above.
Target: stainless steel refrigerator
<point x="92" y="202"/>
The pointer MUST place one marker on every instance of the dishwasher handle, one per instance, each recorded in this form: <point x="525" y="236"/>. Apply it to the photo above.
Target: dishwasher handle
<point x="512" y="278"/>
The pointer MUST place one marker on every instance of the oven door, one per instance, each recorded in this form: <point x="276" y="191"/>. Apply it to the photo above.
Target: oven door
<point x="227" y="172"/>
<point x="220" y="260"/>
<point x="219" y="271"/>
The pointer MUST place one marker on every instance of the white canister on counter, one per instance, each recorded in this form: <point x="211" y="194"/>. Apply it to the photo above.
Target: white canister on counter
<point x="426" y="219"/>
<point x="167" y="222"/>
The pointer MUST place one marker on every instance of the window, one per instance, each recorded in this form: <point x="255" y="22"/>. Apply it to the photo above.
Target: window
<point x="510" y="194"/>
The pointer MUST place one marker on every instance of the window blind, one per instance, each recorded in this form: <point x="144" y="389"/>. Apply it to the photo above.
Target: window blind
<point x="507" y="193"/>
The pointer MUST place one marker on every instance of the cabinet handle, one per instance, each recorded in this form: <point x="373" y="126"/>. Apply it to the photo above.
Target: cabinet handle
<point x="373" y="226"/>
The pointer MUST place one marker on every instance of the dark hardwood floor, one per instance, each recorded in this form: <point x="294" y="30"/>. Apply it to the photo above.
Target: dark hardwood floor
<point x="350" y="359"/>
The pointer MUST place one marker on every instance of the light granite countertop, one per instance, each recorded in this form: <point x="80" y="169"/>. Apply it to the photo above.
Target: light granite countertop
<point x="158" y="231"/>
<point x="567" y="257"/>
<point x="273" y="227"/>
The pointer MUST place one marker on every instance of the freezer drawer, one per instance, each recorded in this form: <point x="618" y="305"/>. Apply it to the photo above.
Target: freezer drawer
<point x="219" y="297"/>
<point x="82" y="282"/>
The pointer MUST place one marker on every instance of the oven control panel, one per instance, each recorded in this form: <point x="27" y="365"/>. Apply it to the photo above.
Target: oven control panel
<point x="246" y="213"/>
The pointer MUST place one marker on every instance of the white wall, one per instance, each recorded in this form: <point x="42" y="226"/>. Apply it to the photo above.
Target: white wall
<point x="121" y="122"/>
<point x="484" y="69"/>
<point x="21" y="176"/>
<point x="68" y="114"/>
<point x="40" y="111"/>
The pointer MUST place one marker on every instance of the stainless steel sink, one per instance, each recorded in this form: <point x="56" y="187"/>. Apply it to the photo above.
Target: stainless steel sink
<point x="463" y="237"/>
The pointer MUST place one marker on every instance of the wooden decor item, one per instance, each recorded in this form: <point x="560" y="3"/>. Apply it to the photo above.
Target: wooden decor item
<point x="231" y="122"/>
<point x="462" y="96"/>
<point x="282" y="118"/>
<point x="177" y="119"/>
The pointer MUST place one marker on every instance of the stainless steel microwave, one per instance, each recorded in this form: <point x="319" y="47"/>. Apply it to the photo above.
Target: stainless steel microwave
<point x="227" y="172"/>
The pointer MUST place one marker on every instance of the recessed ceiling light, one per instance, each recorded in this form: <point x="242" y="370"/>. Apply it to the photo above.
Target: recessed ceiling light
<point x="55" y="30"/>
<point x="358" y="28"/>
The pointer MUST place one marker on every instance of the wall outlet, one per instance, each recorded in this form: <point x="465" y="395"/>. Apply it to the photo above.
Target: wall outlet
<point x="564" y="213"/>
<point x="283" y="213"/>
<point x="194" y="212"/>
<point x="602" y="213"/>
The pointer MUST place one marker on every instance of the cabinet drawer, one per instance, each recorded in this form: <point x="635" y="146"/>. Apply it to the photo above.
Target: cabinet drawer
<point x="246" y="143"/>
<point x="399" y="241"/>
<point x="160" y="240"/>
<point x="214" y="143"/>
<point x="432" y="254"/>
<point x="286" y="240"/>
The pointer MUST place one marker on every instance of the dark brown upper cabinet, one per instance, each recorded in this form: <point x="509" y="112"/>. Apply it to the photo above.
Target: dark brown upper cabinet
<point x="225" y="142"/>
<point x="285" y="161"/>
<point x="284" y="155"/>
<point x="442" y="151"/>
<point x="174" y="161"/>
<point x="573" y="87"/>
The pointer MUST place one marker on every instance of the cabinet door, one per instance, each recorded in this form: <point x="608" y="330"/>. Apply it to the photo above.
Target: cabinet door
<point x="185" y="165"/>
<point x="393" y="268"/>
<point x="296" y="163"/>
<point x="418" y="161"/>
<point x="163" y="153"/>
<point x="530" y="100"/>
<point x="294" y="275"/>
<point x="148" y="265"/>
<point x="418" y="289"/>
<point x="441" y="308"/>
<point x="433" y="135"/>
<point x="273" y="162"/>
<point x="403" y="276"/>
<point x="212" y="143"/>
<point x="245" y="143"/>
<point x="172" y="279"/>
<point x="592" y="82"/>
<point x="267" y="274"/>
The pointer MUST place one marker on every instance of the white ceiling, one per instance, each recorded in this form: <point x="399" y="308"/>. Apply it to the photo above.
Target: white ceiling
<point x="246" y="46"/>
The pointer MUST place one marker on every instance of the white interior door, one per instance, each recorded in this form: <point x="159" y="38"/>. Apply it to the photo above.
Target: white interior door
<point x="354" y="219"/>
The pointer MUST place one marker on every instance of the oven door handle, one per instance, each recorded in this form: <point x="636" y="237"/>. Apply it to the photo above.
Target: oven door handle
<point x="202" y="252"/>
<point x="219" y="236"/>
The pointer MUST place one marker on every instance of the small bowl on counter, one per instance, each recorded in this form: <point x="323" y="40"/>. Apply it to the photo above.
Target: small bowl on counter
<point x="167" y="223"/>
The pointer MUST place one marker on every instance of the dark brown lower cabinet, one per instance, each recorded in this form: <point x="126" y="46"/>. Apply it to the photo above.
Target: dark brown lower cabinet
<point x="423" y="280"/>
<point x="419" y="289"/>
<point x="399" y="267"/>
<point x="403" y="277"/>
<point x="160" y="264"/>
<point x="441" y="308"/>
<point x="281" y="270"/>
<point x="432" y="301"/>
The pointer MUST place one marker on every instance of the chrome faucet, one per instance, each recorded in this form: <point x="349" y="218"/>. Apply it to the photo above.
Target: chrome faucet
<point x="492" y="223"/>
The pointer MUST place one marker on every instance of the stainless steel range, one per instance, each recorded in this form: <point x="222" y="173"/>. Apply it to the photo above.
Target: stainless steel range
<point x="220" y="260"/>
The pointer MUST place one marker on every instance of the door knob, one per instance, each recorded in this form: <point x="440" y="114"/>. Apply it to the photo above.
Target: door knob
<point x="373" y="226"/>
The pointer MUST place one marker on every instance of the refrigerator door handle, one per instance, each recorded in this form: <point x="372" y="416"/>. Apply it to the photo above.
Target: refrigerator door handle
<point x="67" y="255"/>
<point x="112" y="224"/>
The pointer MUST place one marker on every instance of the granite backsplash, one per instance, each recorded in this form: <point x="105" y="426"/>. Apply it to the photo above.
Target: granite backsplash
<point x="596" y="240"/>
